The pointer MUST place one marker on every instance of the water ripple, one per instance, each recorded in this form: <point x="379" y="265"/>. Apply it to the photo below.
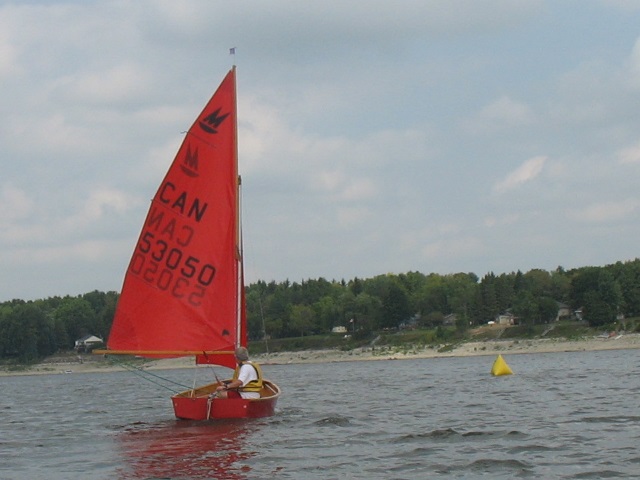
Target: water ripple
<point x="336" y="421"/>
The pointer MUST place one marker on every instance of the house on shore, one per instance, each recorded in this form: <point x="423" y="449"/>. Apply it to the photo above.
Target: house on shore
<point x="87" y="343"/>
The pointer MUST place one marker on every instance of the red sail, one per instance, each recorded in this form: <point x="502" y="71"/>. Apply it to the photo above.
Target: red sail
<point x="181" y="289"/>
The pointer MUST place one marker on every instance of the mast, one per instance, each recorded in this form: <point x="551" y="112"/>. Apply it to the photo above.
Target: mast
<point x="240" y="333"/>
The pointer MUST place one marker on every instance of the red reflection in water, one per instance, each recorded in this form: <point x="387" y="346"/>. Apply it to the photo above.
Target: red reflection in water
<point x="181" y="449"/>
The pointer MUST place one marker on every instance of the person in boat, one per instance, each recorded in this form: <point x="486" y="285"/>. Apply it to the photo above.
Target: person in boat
<point x="246" y="381"/>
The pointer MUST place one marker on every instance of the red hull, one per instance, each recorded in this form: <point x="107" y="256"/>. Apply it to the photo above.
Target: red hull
<point x="197" y="404"/>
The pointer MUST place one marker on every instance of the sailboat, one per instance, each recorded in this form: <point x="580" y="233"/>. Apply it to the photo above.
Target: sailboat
<point x="183" y="292"/>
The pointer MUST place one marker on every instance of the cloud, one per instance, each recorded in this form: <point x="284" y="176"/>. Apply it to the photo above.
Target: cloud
<point x="348" y="217"/>
<point x="503" y="113"/>
<point x="114" y="84"/>
<point x="17" y="225"/>
<point x="102" y="199"/>
<point x="55" y="133"/>
<point x="494" y="221"/>
<point x="15" y="204"/>
<point x="84" y="250"/>
<point x="606" y="211"/>
<point x="526" y="172"/>
<point x="629" y="154"/>
<point x="95" y="207"/>
<point x="625" y="5"/>
<point x="452" y="248"/>
<point x="359" y="189"/>
<point x="8" y="54"/>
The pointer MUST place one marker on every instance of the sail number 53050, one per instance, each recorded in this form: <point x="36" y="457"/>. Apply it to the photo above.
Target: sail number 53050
<point x="173" y="258"/>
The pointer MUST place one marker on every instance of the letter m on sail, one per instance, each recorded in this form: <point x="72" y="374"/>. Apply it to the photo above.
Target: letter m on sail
<point x="190" y="162"/>
<point x="211" y="122"/>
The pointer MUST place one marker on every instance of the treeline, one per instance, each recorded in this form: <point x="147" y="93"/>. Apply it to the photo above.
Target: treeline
<point x="602" y="296"/>
<point x="33" y="330"/>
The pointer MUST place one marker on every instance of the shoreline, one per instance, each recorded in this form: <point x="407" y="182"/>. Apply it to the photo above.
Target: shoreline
<point x="72" y="364"/>
<point x="465" y="349"/>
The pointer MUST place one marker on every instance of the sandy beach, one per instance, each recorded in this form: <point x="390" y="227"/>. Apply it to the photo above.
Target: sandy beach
<point x="72" y="364"/>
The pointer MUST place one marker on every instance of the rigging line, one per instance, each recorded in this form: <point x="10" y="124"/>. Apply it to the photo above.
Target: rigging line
<point x="195" y="378"/>
<point x="146" y="375"/>
<point x="213" y="370"/>
<point x="212" y="145"/>
<point x="150" y="380"/>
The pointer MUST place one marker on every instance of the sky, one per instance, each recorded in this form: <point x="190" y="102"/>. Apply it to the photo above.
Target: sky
<point x="374" y="137"/>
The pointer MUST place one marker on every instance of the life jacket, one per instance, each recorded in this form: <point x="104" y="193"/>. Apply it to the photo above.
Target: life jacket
<point x="253" y="385"/>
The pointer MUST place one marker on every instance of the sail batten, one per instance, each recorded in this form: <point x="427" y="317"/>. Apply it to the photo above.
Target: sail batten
<point x="183" y="288"/>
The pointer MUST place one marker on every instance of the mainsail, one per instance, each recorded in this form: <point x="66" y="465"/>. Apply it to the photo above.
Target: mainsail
<point x="183" y="292"/>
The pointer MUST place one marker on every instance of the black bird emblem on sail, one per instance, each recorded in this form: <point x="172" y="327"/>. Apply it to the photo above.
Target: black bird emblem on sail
<point x="212" y="122"/>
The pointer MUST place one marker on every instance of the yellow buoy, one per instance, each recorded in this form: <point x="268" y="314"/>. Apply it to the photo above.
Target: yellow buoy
<point x="500" y="367"/>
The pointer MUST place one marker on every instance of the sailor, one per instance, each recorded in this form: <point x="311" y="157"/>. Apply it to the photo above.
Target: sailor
<point x="246" y="381"/>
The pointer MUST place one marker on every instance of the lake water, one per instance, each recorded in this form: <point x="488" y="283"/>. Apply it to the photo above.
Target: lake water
<point x="561" y="415"/>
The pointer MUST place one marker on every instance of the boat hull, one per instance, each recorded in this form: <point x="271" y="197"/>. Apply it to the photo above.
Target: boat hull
<point x="197" y="404"/>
